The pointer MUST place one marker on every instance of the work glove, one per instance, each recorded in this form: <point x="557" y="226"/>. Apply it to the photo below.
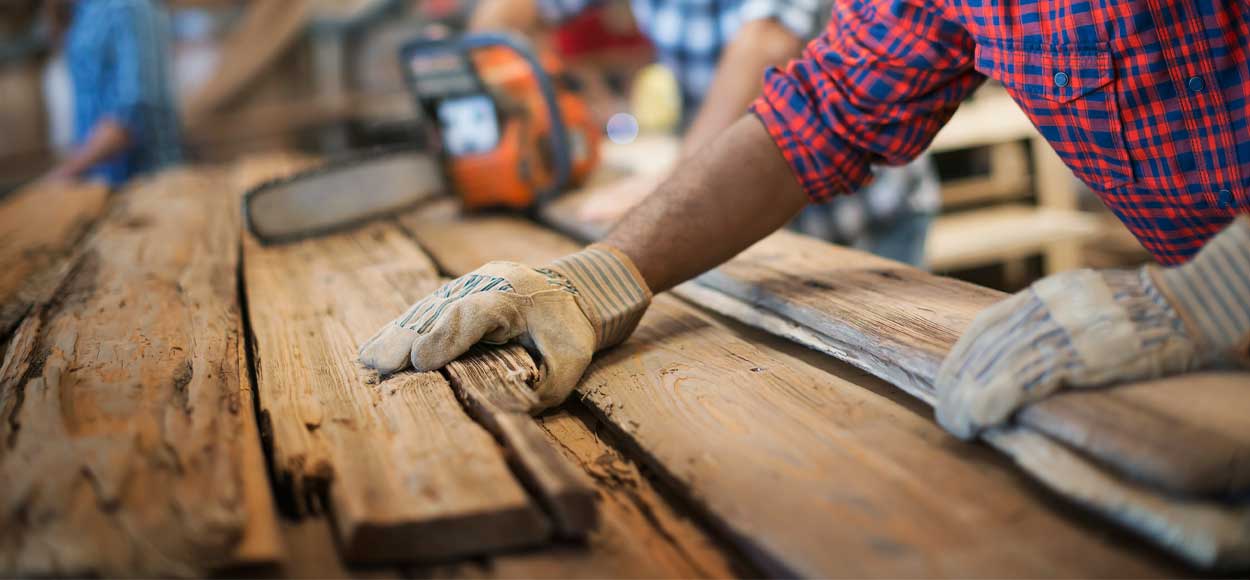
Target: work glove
<point x="1091" y="328"/>
<point x="577" y="305"/>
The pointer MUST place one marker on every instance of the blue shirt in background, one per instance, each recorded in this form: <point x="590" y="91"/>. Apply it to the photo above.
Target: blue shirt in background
<point x="117" y="52"/>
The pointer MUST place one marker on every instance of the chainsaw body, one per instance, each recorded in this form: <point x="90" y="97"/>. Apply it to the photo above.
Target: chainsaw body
<point x="510" y="129"/>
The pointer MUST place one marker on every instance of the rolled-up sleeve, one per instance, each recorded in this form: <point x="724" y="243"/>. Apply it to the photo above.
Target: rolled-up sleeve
<point x="874" y="88"/>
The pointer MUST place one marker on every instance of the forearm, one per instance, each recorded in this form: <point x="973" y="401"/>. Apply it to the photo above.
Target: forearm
<point x="730" y="194"/>
<point x="107" y="138"/>
<point x="759" y="44"/>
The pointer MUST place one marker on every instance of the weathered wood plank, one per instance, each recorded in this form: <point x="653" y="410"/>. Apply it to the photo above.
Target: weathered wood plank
<point x="898" y="323"/>
<point x="1186" y="433"/>
<point x="806" y="471"/>
<point x="640" y="535"/>
<point x="40" y="225"/>
<point x="128" y="443"/>
<point x="496" y="386"/>
<point x="409" y="476"/>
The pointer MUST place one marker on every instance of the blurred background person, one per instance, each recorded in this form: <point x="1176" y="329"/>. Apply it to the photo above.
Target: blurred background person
<point x="718" y="51"/>
<point x="125" y="118"/>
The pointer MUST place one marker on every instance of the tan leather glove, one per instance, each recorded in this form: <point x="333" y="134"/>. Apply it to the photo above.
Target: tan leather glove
<point x="1091" y="328"/>
<point x="565" y="312"/>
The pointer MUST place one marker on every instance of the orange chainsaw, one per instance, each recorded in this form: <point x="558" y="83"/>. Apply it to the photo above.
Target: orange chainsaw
<point x="504" y="128"/>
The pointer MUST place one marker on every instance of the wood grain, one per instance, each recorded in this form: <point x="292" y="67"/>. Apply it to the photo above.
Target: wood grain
<point x="898" y="323"/>
<point x="640" y="534"/>
<point x="408" y="475"/>
<point x="806" y="471"/>
<point x="128" y="445"/>
<point x="40" y="225"/>
<point x="1187" y="434"/>
<point x="495" y="385"/>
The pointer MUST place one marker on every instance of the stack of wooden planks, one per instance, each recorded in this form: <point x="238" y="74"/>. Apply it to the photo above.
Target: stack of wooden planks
<point x="702" y="447"/>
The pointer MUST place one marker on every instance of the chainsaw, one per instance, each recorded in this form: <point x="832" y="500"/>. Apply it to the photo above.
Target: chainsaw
<point x="502" y="128"/>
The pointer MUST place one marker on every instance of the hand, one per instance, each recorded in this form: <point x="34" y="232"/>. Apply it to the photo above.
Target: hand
<point x="566" y="312"/>
<point x="607" y="203"/>
<point x="1092" y="328"/>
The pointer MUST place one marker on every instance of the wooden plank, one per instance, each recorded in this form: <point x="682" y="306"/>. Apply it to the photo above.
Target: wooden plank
<point x="898" y="323"/>
<point x="1004" y="232"/>
<point x="640" y="534"/>
<point x="1199" y="446"/>
<point x="408" y="475"/>
<point x="808" y="466"/>
<point x="40" y="225"/>
<point x="496" y="386"/>
<point x="128" y="447"/>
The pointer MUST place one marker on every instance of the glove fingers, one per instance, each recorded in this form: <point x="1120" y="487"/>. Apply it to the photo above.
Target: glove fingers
<point x="566" y="342"/>
<point x="493" y="316"/>
<point x="387" y="352"/>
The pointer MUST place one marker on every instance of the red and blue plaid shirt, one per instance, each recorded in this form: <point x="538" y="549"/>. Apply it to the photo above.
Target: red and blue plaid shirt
<point x="1146" y="100"/>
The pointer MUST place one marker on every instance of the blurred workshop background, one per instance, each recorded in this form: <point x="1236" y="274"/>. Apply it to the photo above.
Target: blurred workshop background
<point x="322" y="76"/>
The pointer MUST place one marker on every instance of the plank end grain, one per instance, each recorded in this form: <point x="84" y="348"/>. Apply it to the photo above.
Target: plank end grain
<point x="495" y="385"/>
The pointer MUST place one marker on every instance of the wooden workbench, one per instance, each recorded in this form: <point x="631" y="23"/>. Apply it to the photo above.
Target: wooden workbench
<point x="180" y="400"/>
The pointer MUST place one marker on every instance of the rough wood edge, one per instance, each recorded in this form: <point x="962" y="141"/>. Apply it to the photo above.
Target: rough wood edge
<point x="493" y="383"/>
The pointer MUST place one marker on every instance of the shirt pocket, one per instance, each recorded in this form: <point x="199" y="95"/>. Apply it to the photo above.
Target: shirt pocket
<point x="1069" y="95"/>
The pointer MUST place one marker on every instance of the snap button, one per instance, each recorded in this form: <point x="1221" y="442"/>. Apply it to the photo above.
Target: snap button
<point x="1196" y="84"/>
<point x="1061" y="79"/>
<point x="1225" y="198"/>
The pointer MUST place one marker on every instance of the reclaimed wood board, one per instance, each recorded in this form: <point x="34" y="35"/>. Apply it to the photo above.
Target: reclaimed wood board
<point x="127" y="444"/>
<point x="898" y="322"/>
<point x="407" y="474"/>
<point x="495" y="384"/>
<point x="640" y="534"/>
<point x="808" y="466"/>
<point x="40" y="226"/>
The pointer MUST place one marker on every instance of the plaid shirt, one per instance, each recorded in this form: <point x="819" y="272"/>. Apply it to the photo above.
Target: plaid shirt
<point x="1146" y="100"/>
<point x="117" y="54"/>
<point x="689" y="36"/>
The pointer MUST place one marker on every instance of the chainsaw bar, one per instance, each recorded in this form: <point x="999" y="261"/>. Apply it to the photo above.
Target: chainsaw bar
<point x="341" y="194"/>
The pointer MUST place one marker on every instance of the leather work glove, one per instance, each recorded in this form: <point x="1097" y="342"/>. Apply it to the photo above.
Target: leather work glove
<point x="577" y="305"/>
<point x="1091" y="328"/>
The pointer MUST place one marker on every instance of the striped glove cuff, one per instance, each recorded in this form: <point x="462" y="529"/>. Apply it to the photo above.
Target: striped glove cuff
<point x="609" y="290"/>
<point x="1212" y="292"/>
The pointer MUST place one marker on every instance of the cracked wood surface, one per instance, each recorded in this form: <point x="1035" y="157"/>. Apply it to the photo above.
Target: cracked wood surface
<point x="408" y="475"/>
<point x="639" y="534"/>
<point x="40" y="225"/>
<point x="126" y="446"/>
<point x="807" y="466"/>
<point x="495" y="385"/>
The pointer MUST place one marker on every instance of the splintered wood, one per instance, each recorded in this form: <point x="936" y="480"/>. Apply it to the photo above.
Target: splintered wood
<point x="804" y="469"/>
<point x="407" y="473"/>
<point x="127" y="446"/>
<point x="40" y="225"/>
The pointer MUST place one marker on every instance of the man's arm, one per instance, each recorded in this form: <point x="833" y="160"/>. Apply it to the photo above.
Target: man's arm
<point x="733" y="192"/>
<point x="758" y="46"/>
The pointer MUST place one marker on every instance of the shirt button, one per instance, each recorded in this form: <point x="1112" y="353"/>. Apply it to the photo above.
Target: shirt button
<point x="1061" y="79"/>
<point x="1225" y="198"/>
<point x="1196" y="84"/>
